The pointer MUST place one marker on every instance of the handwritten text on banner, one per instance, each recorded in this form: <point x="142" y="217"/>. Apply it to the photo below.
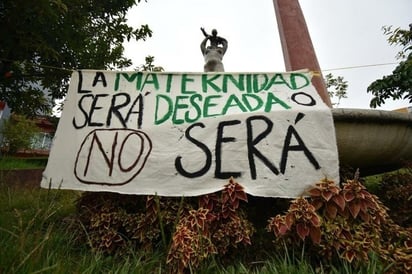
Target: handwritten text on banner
<point x="185" y="134"/>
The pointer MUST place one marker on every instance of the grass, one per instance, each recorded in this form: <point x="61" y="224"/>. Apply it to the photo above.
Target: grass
<point x="38" y="234"/>
<point x="9" y="162"/>
<point x="373" y="182"/>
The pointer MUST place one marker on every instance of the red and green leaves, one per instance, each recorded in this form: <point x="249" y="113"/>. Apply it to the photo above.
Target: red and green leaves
<point x="216" y="226"/>
<point x="327" y="195"/>
<point x="301" y="219"/>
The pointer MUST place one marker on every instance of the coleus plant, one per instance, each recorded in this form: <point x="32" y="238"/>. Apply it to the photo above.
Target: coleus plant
<point x="354" y="223"/>
<point x="301" y="219"/>
<point x="214" y="227"/>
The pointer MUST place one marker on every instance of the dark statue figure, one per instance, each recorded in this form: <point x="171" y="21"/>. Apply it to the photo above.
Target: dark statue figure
<point x="213" y="53"/>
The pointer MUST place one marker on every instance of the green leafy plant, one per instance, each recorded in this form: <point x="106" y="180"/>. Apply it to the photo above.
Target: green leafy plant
<point x="398" y="84"/>
<point x="336" y="87"/>
<point x="149" y="65"/>
<point x="38" y="54"/>
<point x="18" y="132"/>
<point x="395" y="191"/>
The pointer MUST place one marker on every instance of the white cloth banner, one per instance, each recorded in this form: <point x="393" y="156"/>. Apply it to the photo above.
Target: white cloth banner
<point x="186" y="134"/>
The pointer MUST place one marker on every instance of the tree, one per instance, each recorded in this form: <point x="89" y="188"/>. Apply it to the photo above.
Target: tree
<point x="18" y="133"/>
<point x="149" y="65"/>
<point x="336" y="87"/>
<point x="42" y="41"/>
<point x="398" y="85"/>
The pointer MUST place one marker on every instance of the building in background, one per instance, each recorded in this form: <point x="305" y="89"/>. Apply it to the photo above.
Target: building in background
<point x="40" y="144"/>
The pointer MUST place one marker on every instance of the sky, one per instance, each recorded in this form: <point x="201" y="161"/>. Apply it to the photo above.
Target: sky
<point x="347" y="35"/>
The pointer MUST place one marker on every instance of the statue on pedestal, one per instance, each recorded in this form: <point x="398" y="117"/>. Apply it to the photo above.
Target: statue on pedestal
<point x="214" y="52"/>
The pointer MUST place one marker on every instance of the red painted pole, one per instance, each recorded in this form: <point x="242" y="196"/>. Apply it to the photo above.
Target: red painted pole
<point x="297" y="46"/>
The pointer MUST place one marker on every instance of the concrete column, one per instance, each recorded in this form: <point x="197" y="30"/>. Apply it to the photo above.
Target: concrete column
<point x="297" y="46"/>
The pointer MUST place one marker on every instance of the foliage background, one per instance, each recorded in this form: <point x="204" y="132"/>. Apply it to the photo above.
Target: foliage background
<point x="43" y="41"/>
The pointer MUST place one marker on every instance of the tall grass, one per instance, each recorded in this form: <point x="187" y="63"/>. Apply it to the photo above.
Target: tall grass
<point x="39" y="234"/>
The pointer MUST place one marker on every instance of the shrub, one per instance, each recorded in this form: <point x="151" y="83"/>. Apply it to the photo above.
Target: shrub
<point x="114" y="223"/>
<point x="333" y="224"/>
<point x="354" y="224"/>
<point x="395" y="191"/>
<point x="18" y="132"/>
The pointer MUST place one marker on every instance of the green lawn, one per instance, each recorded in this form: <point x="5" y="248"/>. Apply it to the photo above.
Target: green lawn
<point x="22" y="163"/>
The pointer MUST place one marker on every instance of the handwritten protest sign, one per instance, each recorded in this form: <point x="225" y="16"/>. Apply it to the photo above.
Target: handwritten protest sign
<point x="186" y="134"/>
